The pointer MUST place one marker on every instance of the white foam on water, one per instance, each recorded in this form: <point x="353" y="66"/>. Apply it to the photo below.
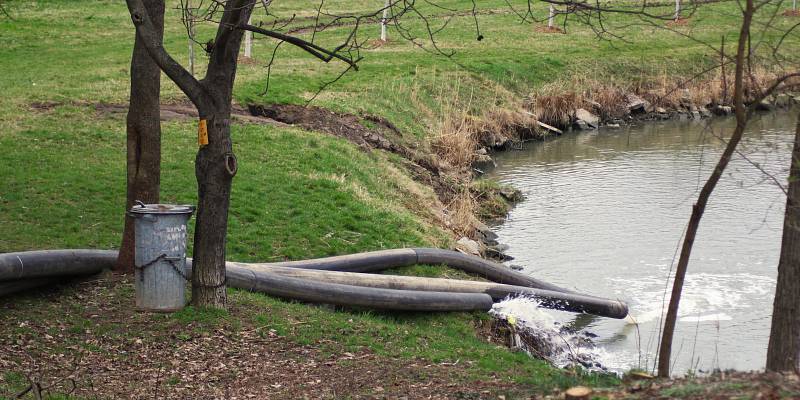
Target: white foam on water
<point x="567" y="348"/>
<point x="705" y="295"/>
<point x="709" y="317"/>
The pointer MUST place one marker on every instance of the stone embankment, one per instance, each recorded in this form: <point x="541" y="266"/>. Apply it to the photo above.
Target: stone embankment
<point x="639" y="109"/>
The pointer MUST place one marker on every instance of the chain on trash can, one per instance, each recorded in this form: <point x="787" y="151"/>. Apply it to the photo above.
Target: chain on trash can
<point x="160" y="263"/>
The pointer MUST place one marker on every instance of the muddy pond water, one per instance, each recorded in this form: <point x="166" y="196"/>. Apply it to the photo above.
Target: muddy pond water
<point x="604" y="213"/>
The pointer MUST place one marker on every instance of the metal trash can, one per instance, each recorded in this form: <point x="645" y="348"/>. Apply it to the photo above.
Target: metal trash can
<point x="160" y="234"/>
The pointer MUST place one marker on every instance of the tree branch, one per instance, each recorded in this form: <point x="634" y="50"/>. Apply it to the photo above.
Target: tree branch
<point x="155" y="48"/>
<point x="311" y="48"/>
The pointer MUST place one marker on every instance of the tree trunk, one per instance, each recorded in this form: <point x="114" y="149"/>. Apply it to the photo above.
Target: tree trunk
<point x="248" y="41"/>
<point x="215" y="167"/>
<point x="190" y="29"/>
<point x="699" y="207"/>
<point x="385" y="20"/>
<point x="143" y="134"/>
<point x="783" y="353"/>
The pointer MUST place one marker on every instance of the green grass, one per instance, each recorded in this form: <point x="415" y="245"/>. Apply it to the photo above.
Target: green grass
<point x="298" y="194"/>
<point x="436" y="338"/>
<point x="691" y="389"/>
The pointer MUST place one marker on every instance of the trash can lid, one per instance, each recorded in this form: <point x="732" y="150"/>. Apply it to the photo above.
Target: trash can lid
<point x="141" y="208"/>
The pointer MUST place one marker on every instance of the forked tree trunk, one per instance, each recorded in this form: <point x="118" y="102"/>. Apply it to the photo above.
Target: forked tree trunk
<point x="143" y="134"/>
<point x="215" y="164"/>
<point x="783" y="352"/>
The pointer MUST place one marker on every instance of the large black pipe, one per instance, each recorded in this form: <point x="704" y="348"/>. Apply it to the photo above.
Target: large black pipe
<point x="374" y="261"/>
<point x="49" y="263"/>
<point x="572" y="302"/>
<point x="487" y="269"/>
<point x="76" y="262"/>
<point x="16" y="267"/>
<point x="358" y="296"/>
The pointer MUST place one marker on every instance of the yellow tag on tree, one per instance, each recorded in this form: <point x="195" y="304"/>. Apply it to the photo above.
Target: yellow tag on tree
<point x="202" y="133"/>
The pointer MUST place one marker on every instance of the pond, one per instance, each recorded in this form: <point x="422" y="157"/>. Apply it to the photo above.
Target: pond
<point x="604" y="213"/>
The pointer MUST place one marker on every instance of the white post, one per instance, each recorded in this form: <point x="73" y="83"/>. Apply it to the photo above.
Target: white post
<point x="384" y="20"/>
<point x="248" y="40"/>
<point x="677" y="9"/>
<point x="551" y="17"/>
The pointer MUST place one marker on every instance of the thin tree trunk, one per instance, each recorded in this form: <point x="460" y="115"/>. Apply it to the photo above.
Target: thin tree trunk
<point x="248" y="41"/>
<point x="384" y="20"/>
<point x="677" y="9"/>
<point x="551" y="17"/>
<point x="190" y="39"/>
<point x="665" y="348"/>
<point x="143" y="134"/>
<point x="783" y="352"/>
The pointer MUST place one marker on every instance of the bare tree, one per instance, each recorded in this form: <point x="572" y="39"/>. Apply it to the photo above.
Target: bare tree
<point x="699" y="207"/>
<point x="783" y="352"/>
<point x="744" y="108"/>
<point x="143" y="132"/>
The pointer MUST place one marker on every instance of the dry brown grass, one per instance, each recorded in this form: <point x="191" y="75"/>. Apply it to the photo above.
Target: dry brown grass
<point x="713" y="88"/>
<point x="455" y="143"/>
<point x="499" y="124"/>
<point x="678" y="22"/>
<point x="555" y="106"/>
<point x="461" y="134"/>
<point x="462" y="213"/>
<point x="610" y="101"/>
<point x="548" y="29"/>
<point x="555" y="103"/>
<point x="465" y="127"/>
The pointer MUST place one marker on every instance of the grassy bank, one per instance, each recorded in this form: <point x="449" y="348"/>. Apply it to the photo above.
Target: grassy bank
<point x="298" y="194"/>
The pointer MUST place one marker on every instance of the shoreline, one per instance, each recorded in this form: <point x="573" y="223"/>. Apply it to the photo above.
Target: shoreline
<point x="640" y="111"/>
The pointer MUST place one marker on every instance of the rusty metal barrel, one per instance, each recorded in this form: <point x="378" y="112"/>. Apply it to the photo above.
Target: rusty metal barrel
<point x="160" y="234"/>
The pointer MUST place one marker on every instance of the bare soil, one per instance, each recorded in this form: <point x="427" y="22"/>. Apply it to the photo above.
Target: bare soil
<point x="86" y="340"/>
<point x="720" y="386"/>
<point x="548" y="29"/>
